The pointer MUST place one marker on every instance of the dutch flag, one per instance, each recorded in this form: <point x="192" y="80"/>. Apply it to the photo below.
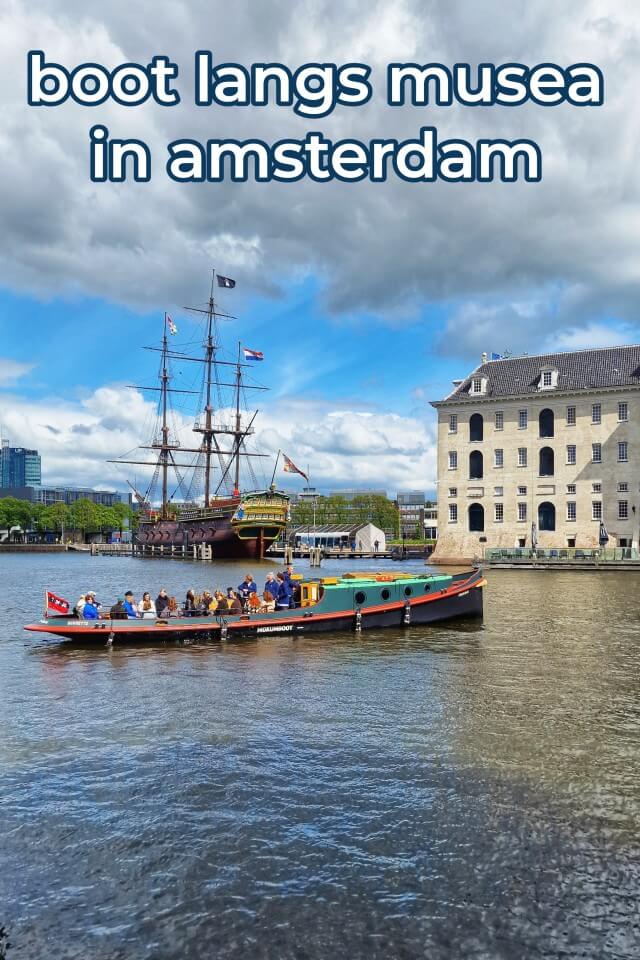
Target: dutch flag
<point x="253" y="354"/>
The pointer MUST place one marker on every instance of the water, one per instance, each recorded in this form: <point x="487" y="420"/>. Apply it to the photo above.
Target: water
<point x="457" y="791"/>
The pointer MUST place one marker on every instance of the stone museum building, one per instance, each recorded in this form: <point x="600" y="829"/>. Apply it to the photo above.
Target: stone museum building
<point x="545" y="447"/>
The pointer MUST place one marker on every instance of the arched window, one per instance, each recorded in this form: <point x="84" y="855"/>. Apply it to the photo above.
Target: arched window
<point x="476" y="518"/>
<point x="476" y="427"/>
<point x="475" y="465"/>
<point x="546" y="516"/>
<point x="546" y="423"/>
<point x="546" y="462"/>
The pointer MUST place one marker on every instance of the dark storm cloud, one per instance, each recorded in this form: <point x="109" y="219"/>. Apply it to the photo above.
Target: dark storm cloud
<point x="531" y="258"/>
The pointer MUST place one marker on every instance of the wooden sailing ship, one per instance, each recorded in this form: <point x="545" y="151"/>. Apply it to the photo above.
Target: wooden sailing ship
<point x="211" y="511"/>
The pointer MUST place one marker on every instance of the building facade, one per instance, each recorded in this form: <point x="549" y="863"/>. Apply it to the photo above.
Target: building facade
<point x="411" y="507"/>
<point x="539" y="451"/>
<point x="68" y="495"/>
<point x="19" y="467"/>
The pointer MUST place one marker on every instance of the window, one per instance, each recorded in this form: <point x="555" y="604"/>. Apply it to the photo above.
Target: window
<point x="571" y="416"/>
<point x="596" y="510"/>
<point x="596" y="488"/>
<point x="476" y="385"/>
<point x="453" y="423"/>
<point x="499" y="420"/>
<point x="522" y="456"/>
<point x="571" y="454"/>
<point x="545" y="421"/>
<point x="476" y="427"/>
<point x="499" y="458"/>
<point x="498" y="491"/>
<point x="476" y="470"/>
<point x="596" y="413"/>
<point x="522" y="511"/>
<point x="623" y="411"/>
<point x="571" y="488"/>
<point x="522" y="419"/>
<point x="623" y="450"/>
<point x="596" y="453"/>
<point x="571" y="510"/>
<point x="453" y="460"/>
<point x="547" y="378"/>
<point x="499" y="512"/>
<point x="546" y="462"/>
<point x="522" y="491"/>
<point x="623" y="487"/>
<point x="453" y="513"/>
<point x="453" y="491"/>
<point x="623" y="509"/>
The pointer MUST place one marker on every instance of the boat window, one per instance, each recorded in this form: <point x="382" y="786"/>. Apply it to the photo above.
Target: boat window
<point x="427" y="587"/>
<point x="360" y="597"/>
<point x="408" y="591"/>
<point x="384" y="594"/>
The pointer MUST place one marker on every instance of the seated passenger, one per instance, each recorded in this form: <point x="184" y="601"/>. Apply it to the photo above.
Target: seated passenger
<point x="77" y="610"/>
<point x="236" y="605"/>
<point x="189" y="608"/>
<point x="146" y="607"/>
<point x="90" y="610"/>
<point x="222" y="604"/>
<point x="117" y="611"/>
<point x="205" y="603"/>
<point x="130" y="605"/>
<point x="296" y="593"/>
<point x="283" y="600"/>
<point x="162" y="602"/>
<point x="255" y="603"/>
<point x="268" y="602"/>
<point x="173" y="610"/>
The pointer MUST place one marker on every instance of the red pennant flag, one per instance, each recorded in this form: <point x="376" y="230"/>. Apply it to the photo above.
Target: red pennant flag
<point x="290" y="467"/>
<point x="59" y="604"/>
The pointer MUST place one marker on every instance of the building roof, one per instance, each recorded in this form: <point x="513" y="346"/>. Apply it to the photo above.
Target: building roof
<point x="581" y="370"/>
<point x="334" y="529"/>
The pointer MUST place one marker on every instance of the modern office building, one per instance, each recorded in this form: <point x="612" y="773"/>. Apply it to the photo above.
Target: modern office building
<point x="68" y="495"/>
<point x="411" y="506"/>
<point x="19" y="467"/>
<point x="541" y="451"/>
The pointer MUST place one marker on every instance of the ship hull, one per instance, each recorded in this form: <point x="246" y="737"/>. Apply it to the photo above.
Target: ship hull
<point x="186" y="537"/>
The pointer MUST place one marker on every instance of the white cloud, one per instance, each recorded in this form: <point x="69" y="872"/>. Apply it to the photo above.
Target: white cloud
<point x="592" y="336"/>
<point x="387" y="248"/>
<point x="12" y="370"/>
<point x="342" y="446"/>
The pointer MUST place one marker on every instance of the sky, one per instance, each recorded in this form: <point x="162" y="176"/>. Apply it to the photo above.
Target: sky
<point x="366" y="299"/>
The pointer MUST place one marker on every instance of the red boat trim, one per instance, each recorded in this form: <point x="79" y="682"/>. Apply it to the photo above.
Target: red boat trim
<point x="107" y="626"/>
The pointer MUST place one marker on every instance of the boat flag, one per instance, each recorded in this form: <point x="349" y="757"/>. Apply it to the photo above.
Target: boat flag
<point x="59" y="604"/>
<point x="253" y="354"/>
<point x="172" y="327"/>
<point x="290" y="467"/>
<point x="225" y="282"/>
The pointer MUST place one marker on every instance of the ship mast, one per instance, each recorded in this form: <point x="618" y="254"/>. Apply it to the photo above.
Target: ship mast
<point x="164" y="446"/>
<point x="239" y="437"/>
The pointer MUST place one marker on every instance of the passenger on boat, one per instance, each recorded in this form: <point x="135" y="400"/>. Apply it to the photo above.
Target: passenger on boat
<point x="173" y="610"/>
<point x="130" y="605"/>
<point x="117" y="611"/>
<point x="254" y="603"/>
<point x="222" y="603"/>
<point x="146" y="607"/>
<point x="236" y="604"/>
<point x="271" y="585"/>
<point x="247" y="587"/>
<point x="296" y="593"/>
<point x="90" y="610"/>
<point x="268" y="602"/>
<point x="77" y="610"/>
<point x="283" y="600"/>
<point x="189" y="609"/>
<point x="162" y="602"/>
<point x="205" y="603"/>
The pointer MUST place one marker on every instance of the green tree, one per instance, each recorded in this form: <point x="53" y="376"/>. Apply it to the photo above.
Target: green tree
<point x="16" y="513"/>
<point x="84" y="516"/>
<point x="55" y="517"/>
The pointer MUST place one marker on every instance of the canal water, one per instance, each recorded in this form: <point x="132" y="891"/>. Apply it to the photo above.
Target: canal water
<point x="458" y="791"/>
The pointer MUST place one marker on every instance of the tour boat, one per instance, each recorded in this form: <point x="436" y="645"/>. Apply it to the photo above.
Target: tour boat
<point x="351" y="602"/>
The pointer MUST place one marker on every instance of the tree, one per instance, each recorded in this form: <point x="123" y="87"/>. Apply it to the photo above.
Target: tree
<point x="15" y="513"/>
<point x="54" y="517"/>
<point x="84" y="516"/>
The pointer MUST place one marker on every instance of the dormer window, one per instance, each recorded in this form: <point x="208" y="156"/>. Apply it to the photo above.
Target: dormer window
<point x="478" y="386"/>
<point x="548" y="379"/>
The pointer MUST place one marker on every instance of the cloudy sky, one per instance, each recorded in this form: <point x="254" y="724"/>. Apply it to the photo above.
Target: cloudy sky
<point x="367" y="299"/>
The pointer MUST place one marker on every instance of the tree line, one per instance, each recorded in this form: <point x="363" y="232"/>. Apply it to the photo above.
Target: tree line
<point x="83" y="516"/>
<point x="364" y="508"/>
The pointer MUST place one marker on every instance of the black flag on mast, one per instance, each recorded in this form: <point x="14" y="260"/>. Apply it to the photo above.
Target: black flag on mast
<point x="225" y="282"/>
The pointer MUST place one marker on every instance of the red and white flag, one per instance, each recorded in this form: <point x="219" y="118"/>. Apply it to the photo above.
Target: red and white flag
<point x="172" y="327"/>
<point x="290" y="467"/>
<point x="59" y="604"/>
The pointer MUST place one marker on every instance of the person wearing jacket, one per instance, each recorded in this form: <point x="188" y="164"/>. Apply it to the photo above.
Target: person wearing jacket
<point x="271" y="584"/>
<point x="162" y="602"/>
<point x="247" y="586"/>
<point x="236" y="605"/>
<point x="117" y="611"/>
<point x="189" y="608"/>
<point x="90" y="610"/>
<point x="283" y="600"/>
<point x="130" y="606"/>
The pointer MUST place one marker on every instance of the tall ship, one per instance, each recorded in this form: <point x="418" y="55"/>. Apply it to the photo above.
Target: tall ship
<point x="204" y="499"/>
